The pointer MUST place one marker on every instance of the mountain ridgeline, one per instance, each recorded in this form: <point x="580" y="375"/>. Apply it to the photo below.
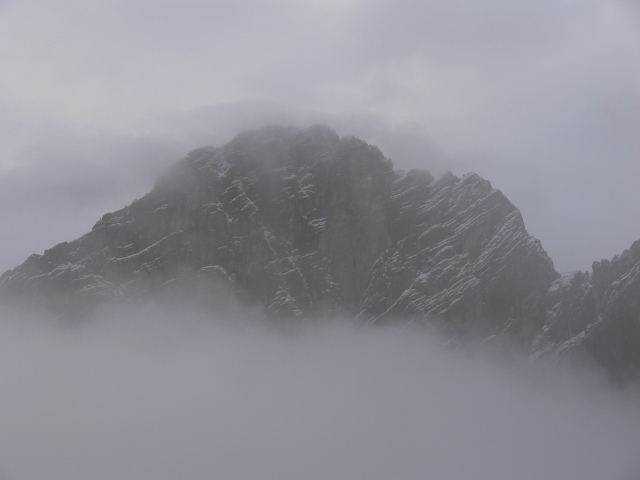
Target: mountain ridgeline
<point x="304" y="224"/>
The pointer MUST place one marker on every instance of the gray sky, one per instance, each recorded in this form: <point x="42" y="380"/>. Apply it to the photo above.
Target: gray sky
<point x="540" y="97"/>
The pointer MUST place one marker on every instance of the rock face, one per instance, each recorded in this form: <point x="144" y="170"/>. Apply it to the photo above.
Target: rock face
<point x="459" y="251"/>
<point x="597" y="313"/>
<point x="305" y="224"/>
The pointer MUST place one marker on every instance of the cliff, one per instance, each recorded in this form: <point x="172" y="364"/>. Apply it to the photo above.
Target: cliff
<point x="303" y="224"/>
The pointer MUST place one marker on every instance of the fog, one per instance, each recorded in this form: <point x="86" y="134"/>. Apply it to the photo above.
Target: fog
<point x="98" y="98"/>
<point x="165" y="394"/>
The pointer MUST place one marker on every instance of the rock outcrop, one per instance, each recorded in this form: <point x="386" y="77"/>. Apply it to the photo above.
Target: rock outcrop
<point x="306" y="224"/>
<point x="597" y="313"/>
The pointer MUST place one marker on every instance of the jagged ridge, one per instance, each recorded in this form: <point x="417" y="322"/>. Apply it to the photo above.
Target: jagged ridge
<point x="304" y="224"/>
<point x="598" y="313"/>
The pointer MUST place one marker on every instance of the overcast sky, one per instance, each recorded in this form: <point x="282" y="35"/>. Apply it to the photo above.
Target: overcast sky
<point x="540" y="97"/>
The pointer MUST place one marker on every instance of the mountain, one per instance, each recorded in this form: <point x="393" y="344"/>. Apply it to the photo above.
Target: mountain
<point x="307" y="224"/>
<point x="597" y="312"/>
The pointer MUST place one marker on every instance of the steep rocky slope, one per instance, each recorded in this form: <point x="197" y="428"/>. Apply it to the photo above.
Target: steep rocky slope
<point x="460" y="252"/>
<point x="289" y="221"/>
<point x="305" y="224"/>
<point x="597" y="313"/>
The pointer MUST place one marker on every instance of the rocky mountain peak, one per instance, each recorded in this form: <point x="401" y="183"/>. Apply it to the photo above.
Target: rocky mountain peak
<point x="303" y="223"/>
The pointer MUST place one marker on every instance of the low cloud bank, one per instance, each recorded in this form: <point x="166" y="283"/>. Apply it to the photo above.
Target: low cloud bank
<point x="165" y="395"/>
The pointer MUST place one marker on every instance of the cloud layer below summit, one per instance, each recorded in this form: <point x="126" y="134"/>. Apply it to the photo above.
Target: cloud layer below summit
<point x="165" y="395"/>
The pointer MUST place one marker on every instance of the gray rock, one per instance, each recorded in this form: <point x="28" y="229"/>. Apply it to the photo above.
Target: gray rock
<point x="302" y="224"/>
<point x="597" y="314"/>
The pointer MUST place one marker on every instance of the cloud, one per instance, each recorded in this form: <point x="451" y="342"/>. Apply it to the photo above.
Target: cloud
<point x="541" y="98"/>
<point x="157" y="394"/>
<point x="97" y="98"/>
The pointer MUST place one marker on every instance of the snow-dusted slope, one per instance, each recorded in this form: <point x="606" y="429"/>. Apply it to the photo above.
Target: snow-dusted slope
<point x="460" y="252"/>
<point x="287" y="220"/>
<point x="304" y="224"/>
<point x="597" y="313"/>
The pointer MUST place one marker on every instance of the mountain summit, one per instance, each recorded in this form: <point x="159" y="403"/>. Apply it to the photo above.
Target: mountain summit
<point x="307" y="224"/>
